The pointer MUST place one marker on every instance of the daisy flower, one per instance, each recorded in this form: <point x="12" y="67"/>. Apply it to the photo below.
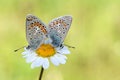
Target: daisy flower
<point x="44" y="54"/>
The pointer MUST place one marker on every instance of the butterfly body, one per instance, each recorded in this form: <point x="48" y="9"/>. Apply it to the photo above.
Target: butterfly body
<point x="37" y="32"/>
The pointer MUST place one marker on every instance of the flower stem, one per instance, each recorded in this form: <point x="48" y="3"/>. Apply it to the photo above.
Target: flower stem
<point x="41" y="73"/>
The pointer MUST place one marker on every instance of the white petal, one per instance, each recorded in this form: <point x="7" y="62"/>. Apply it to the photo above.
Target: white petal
<point x="26" y="56"/>
<point x="31" y="58"/>
<point x="61" y="55"/>
<point x="54" y="60"/>
<point x="64" y="50"/>
<point x="24" y="53"/>
<point x="61" y="58"/>
<point x="25" y="48"/>
<point x="27" y="52"/>
<point x="45" y="63"/>
<point x="38" y="62"/>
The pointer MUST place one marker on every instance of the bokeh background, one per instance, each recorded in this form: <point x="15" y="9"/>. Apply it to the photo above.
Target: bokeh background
<point x="95" y="32"/>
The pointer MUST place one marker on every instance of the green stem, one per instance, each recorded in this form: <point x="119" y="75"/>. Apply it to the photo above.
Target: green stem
<point x="41" y="73"/>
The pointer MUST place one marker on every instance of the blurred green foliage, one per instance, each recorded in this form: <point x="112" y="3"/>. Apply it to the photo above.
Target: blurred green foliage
<point x="95" y="32"/>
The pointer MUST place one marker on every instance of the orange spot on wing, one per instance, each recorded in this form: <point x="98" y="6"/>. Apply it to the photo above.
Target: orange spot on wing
<point x="56" y="22"/>
<point x="39" y="25"/>
<point x="42" y="29"/>
<point x="31" y="25"/>
<point x="64" y="24"/>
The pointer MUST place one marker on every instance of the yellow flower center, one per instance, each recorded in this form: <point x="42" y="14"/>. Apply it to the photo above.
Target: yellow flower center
<point x="45" y="50"/>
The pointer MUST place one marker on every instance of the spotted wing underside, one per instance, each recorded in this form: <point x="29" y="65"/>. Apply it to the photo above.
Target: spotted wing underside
<point x="36" y="31"/>
<point x="58" y="29"/>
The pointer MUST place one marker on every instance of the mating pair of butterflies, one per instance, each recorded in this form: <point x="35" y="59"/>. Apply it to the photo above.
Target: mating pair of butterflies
<point x="37" y="31"/>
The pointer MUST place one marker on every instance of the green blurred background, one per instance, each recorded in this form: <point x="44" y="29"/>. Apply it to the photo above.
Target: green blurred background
<point x="95" y="32"/>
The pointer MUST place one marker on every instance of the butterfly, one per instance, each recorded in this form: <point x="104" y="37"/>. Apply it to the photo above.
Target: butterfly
<point x="37" y="31"/>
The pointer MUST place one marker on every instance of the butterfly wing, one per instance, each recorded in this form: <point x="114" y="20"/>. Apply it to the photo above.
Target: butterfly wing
<point x="58" y="29"/>
<point x="36" y="31"/>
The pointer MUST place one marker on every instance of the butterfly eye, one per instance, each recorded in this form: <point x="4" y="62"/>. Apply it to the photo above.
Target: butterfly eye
<point x="28" y="47"/>
<point x="61" y="46"/>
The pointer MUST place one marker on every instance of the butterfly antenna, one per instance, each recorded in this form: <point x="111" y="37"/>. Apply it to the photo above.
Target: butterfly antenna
<point x="69" y="46"/>
<point x="18" y="49"/>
